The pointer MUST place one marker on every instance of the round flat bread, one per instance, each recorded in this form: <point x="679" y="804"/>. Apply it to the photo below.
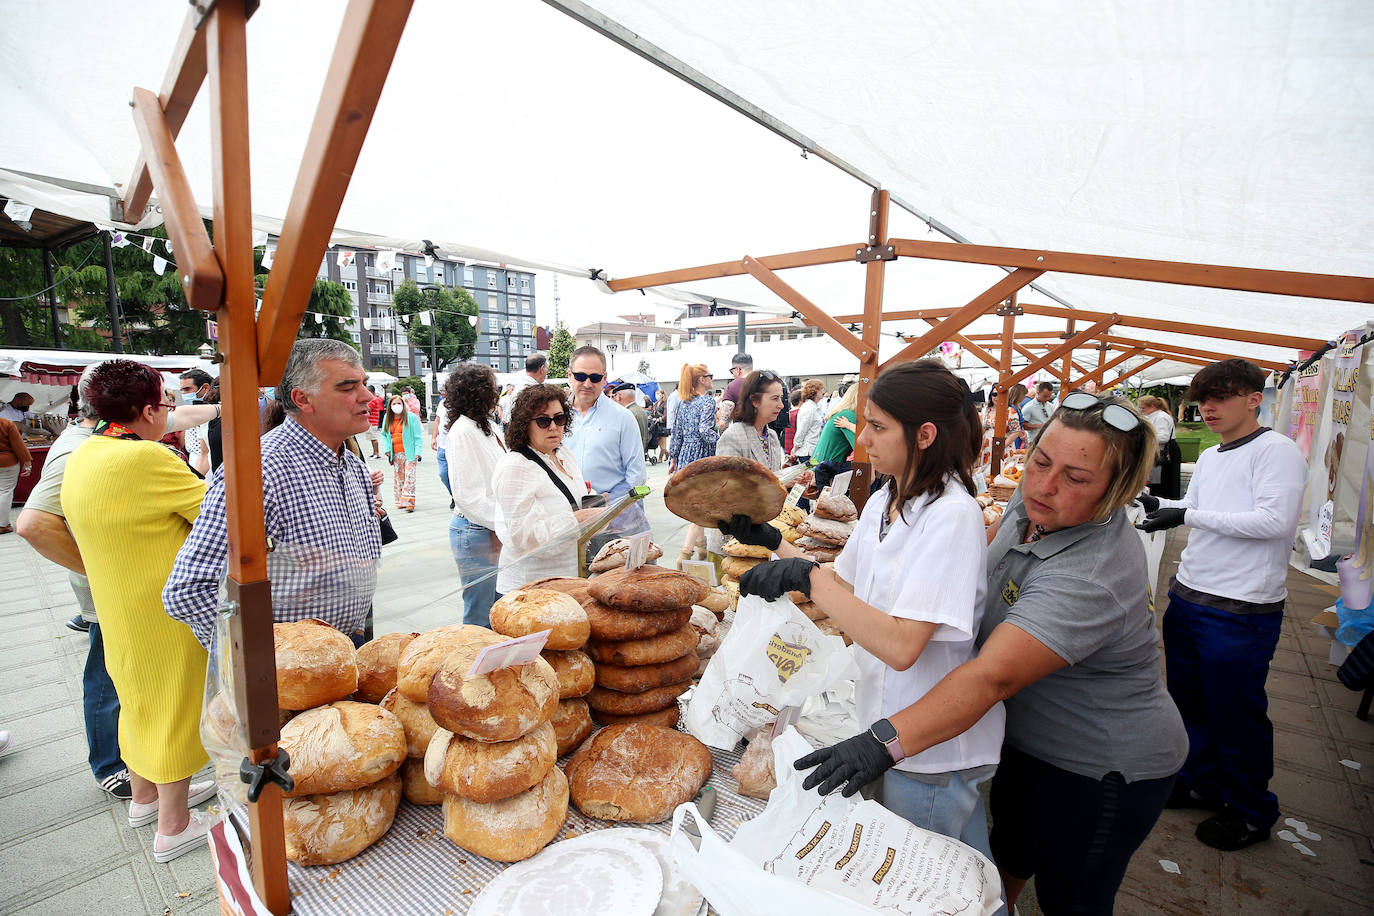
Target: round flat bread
<point x="613" y="554"/>
<point x="825" y="529"/>
<point x="639" y="678"/>
<point x="711" y="490"/>
<point x="567" y="585"/>
<point x="734" y="548"/>
<point x="818" y="550"/>
<point x="647" y="589"/>
<point x="652" y="651"/>
<point x="738" y="566"/>
<point x="664" y="718"/>
<point x="637" y="773"/>
<point x="840" y="508"/>
<point x="574" y="670"/>
<point x="611" y="625"/>
<point x="634" y="704"/>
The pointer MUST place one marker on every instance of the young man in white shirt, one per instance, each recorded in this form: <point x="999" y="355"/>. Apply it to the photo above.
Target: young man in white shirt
<point x="1226" y="604"/>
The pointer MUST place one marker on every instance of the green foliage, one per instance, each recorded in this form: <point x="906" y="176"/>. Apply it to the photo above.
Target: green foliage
<point x="560" y="352"/>
<point x="24" y="319"/>
<point x="455" y="338"/>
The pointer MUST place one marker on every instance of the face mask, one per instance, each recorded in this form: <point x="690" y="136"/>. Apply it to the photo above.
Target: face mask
<point x="396" y="408"/>
<point x="187" y="398"/>
<point x="270" y="392"/>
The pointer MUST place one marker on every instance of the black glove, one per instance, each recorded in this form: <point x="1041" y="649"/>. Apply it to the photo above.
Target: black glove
<point x="743" y="529"/>
<point x="770" y="581"/>
<point x="1148" y="502"/>
<point x="852" y="763"/>
<point x="1162" y="520"/>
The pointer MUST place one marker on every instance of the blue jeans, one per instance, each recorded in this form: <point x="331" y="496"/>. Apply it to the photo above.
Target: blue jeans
<point x="443" y="471"/>
<point x="101" y="705"/>
<point x="476" y="559"/>
<point x="954" y="810"/>
<point x="1216" y="664"/>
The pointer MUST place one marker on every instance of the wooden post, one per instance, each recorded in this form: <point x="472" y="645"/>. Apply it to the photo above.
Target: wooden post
<point x="874" y="278"/>
<point x="1008" y="312"/>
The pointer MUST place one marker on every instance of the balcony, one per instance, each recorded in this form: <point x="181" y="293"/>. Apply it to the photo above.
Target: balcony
<point x="378" y="297"/>
<point x="382" y="348"/>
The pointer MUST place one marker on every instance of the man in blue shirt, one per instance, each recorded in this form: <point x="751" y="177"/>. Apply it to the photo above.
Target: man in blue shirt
<point x="605" y="441"/>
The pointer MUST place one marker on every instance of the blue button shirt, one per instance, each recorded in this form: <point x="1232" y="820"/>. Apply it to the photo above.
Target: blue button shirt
<point x="606" y="443"/>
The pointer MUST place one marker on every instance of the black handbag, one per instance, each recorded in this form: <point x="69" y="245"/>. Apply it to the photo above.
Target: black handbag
<point x="388" y="531"/>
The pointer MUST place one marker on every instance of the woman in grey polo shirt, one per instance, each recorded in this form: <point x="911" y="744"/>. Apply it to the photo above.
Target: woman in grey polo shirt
<point x="1068" y="641"/>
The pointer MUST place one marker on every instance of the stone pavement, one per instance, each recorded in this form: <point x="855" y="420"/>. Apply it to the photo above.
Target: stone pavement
<point x="66" y="848"/>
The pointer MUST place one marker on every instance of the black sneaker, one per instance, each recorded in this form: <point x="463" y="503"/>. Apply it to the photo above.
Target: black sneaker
<point x="1184" y="797"/>
<point x="78" y="624"/>
<point x="1228" y="831"/>
<point x="116" y="785"/>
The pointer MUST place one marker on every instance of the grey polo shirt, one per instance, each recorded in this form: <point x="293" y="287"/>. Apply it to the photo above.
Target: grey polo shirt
<point x="47" y="497"/>
<point x="1082" y="593"/>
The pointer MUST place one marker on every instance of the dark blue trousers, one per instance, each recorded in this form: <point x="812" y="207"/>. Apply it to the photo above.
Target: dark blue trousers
<point x="1216" y="663"/>
<point x="100" y="704"/>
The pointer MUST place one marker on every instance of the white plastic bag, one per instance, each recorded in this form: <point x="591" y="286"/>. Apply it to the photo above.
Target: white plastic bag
<point x="772" y="657"/>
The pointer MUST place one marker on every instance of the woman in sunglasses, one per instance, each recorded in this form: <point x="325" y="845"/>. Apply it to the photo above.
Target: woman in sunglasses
<point x="1068" y="644"/>
<point x="538" y="488"/>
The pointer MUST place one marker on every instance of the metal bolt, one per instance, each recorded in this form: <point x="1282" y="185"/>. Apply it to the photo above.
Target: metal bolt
<point x="874" y="213"/>
<point x="872" y="238"/>
<point x="1040" y="259"/>
<point x="185" y="279"/>
<point x="858" y="251"/>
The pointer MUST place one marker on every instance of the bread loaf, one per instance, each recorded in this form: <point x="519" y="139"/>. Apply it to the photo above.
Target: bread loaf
<point x="754" y="772"/>
<point x="811" y="609"/>
<point x="790" y="516"/>
<point x="637" y="773"/>
<point x="738" y="566"/>
<point x="344" y="745"/>
<point x="329" y="829"/>
<point x="316" y="664"/>
<point x="734" y="548"/>
<point x="415" y="787"/>
<point x="419" y="725"/>
<point x="613" y="554"/>
<point x="419" y="660"/>
<point x="572" y="723"/>
<point x="574" y="670"/>
<point x="818" y="550"/>
<point x="827" y="530"/>
<point x="664" y="718"/>
<point x="567" y="585"/>
<point x="838" y="508"/>
<point x="647" y="588"/>
<point x="645" y="677"/>
<point x="709" y="630"/>
<point x="652" y="651"/>
<point x="484" y="771"/>
<point x="513" y="828"/>
<point x="501" y="705"/>
<point x="716" y="600"/>
<point x="530" y="610"/>
<point x="608" y="624"/>
<point x="713" y="489"/>
<point x="633" y="704"/>
<point x="377" y="665"/>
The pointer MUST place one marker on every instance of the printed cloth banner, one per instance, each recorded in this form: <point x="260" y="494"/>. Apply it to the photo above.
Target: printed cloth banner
<point x="17" y="211"/>
<point x="148" y="243"/>
<point x="345" y="258"/>
<point x="119" y="240"/>
<point x="167" y="243"/>
<point x="1324" y="477"/>
<point x="267" y="255"/>
<point x="424" y="318"/>
<point x="159" y="265"/>
<point x="1307" y="400"/>
<point x="386" y="259"/>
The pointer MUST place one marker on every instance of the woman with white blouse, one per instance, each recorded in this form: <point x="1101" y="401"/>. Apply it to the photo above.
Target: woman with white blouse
<point x="539" y="489"/>
<point x="1165" y="480"/>
<point x="473" y="447"/>
<point x="810" y="420"/>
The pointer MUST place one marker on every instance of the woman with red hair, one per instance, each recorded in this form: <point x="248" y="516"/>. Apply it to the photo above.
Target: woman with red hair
<point x="694" y="436"/>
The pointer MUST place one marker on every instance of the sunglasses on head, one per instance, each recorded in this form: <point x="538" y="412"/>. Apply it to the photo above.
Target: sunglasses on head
<point x="593" y="377"/>
<point x="1113" y="414"/>
<point x="545" y="422"/>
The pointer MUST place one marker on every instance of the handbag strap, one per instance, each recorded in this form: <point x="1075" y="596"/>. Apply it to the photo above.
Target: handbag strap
<point x="553" y="475"/>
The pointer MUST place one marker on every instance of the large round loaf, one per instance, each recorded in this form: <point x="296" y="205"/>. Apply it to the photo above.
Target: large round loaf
<point x="647" y="588"/>
<point x="513" y="828"/>
<point x="734" y="548"/>
<point x="344" y="745"/>
<point x="652" y="651"/>
<point x="414" y="787"/>
<point x="575" y="671"/>
<point x="712" y="489"/>
<point x="486" y="771"/>
<point x="421" y="658"/>
<point x="572" y="723"/>
<point x="716" y="601"/>
<point x="419" y="725"/>
<point x="645" y="677"/>
<point x="328" y="829"/>
<point x="826" y="530"/>
<point x="377" y="665"/>
<point x="665" y="718"/>
<point x="501" y="705"/>
<point x="529" y="610"/>
<point x="613" y="554"/>
<point x="567" y="585"/>
<point x="316" y="664"/>
<point x="637" y="773"/>
<point x="635" y="704"/>
<point x="608" y="624"/>
<point x="738" y="566"/>
<point x="839" y="508"/>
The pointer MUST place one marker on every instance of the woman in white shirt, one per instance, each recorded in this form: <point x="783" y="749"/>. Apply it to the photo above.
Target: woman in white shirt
<point x="473" y="448"/>
<point x="908" y="588"/>
<point x="1165" y="479"/>
<point x="810" y="419"/>
<point x="539" y="489"/>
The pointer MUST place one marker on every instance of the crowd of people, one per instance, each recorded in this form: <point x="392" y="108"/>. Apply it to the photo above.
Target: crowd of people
<point x="1025" y="657"/>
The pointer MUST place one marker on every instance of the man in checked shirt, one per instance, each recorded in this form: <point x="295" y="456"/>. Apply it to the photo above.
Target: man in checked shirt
<point x="318" y="504"/>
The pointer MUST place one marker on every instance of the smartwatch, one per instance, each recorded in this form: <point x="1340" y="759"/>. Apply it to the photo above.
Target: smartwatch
<point x="886" y="733"/>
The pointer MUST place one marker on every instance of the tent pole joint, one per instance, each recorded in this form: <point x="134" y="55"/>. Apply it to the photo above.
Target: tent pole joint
<point x="870" y="253"/>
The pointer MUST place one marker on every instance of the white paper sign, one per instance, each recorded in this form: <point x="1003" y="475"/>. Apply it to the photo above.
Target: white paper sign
<point x="788" y="715"/>
<point x="795" y="494"/>
<point x="519" y="651"/>
<point x="840" y="485"/>
<point x="704" y="570"/>
<point x="638" y="552"/>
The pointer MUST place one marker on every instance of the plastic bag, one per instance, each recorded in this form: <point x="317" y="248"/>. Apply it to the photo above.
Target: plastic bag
<point x="773" y="657"/>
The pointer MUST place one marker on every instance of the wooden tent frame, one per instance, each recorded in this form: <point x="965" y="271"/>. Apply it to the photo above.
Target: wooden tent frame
<point x="217" y="275"/>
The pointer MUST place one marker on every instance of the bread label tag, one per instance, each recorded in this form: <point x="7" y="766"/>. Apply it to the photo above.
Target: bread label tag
<point x="840" y="485"/>
<point x="794" y="495"/>
<point x="704" y="570"/>
<point x="637" y="553"/>
<point x="519" y="651"/>
<point x="788" y="715"/>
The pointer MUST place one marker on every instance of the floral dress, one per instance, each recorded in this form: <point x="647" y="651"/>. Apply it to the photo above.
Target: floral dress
<point x="1015" y="434"/>
<point x="694" y="431"/>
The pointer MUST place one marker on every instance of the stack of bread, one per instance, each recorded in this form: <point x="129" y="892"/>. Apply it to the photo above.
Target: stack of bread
<point x="613" y="553"/>
<point x="992" y="510"/>
<point x="642" y="642"/>
<point x="344" y="754"/>
<point x="787" y="521"/>
<point x="826" y="530"/>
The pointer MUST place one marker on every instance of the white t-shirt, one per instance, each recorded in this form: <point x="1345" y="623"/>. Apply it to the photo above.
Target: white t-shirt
<point x="1163" y="424"/>
<point x="931" y="566"/>
<point x="534" y="521"/>
<point x="472" y="459"/>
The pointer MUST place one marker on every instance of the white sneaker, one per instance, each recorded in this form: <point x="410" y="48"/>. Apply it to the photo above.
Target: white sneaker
<point x="167" y="848"/>
<point x="143" y="815"/>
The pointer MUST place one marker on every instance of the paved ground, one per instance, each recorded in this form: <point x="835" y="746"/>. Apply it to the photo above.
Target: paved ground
<point x="65" y="848"/>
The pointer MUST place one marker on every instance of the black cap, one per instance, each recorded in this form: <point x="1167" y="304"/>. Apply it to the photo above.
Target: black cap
<point x="623" y="386"/>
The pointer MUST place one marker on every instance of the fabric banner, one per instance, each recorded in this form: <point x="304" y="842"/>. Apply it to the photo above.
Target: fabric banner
<point x="159" y="265"/>
<point x="386" y="259"/>
<point x="424" y="318"/>
<point x="119" y="240"/>
<point x="1307" y="399"/>
<point x="1325" y="476"/>
<point x="267" y="255"/>
<point x="259" y="238"/>
<point x="17" y="211"/>
<point x="345" y="258"/>
<point x="148" y="243"/>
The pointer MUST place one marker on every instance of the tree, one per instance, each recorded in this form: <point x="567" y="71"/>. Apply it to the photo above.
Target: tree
<point x="560" y="352"/>
<point x="24" y="317"/>
<point x="330" y="306"/>
<point x="455" y="338"/>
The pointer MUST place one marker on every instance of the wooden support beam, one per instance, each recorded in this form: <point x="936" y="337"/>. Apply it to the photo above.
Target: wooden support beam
<point x="1000" y="404"/>
<point x="1066" y="348"/>
<point x="1179" y="327"/>
<point x="180" y="87"/>
<point x="1209" y="355"/>
<point x="1204" y="357"/>
<point x="836" y="255"/>
<point x="962" y="318"/>
<point x="1024" y="351"/>
<point x="202" y="281"/>
<point x="987" y="358"/>
<point x="812" y="312"/>
<point x="874" y="280"/>
<point x="1112" y="383"/>
<point x="1249" y="279"/>
<point x="367" y="42"/>
<point x="1020" y="335"/>
<point x="1064" y="372"/>
<point x="1097" y="374"/>
<point x="906" y="315"/>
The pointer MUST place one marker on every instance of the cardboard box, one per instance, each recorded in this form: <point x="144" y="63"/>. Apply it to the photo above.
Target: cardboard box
<point x="1328" y="622"/>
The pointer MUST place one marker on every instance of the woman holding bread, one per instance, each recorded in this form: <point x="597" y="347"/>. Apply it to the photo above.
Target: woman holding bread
<point x="749" y="434"/>
<point x="474" y="447"/>
<point x="538" y="488"/>
<point x="694" y="436"/>
<point x="1068" y="643"/>
<point x="908" y="587"/>
<point x="130" y="503"/>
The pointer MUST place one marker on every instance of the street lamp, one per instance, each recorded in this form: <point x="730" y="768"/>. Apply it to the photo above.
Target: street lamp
<point x="611" y="348"/>
<point x="433" y="362"/>
<point x="205" y="351"/>
<point x="506" y="330"/>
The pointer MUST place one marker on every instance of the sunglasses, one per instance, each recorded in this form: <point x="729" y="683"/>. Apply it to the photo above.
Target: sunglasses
<point x="1113" y="414"/>
<point x="545" y="422"/>
<point x="594" y="377"/>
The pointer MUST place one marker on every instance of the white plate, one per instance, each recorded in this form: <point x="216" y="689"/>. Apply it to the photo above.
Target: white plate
<point x="680" y="896"/>
<point x="592" y="874"/>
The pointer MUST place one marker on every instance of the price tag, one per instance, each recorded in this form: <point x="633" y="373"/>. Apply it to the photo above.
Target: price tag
<point x="637" y="554"/>
<point x="794" y="495"/>
<point x="788" y="715"/>
<point x="840" y="485"/>
<point x="701" y="569"/>
<point x="519" y="651"/>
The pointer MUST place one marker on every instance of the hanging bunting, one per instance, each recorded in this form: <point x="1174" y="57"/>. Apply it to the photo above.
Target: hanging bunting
<point x="18" y="212"/>
<point x="259" y="238"/>
<point x="429" y="259"/>
<point x="148" y="243"/>
<point x="167" y="243"/>
<point x="267" y="255"/>
<point x="346" y="258"/>
<point x="386" y="259"/>
<point x="159" y="265"/>
<point x="119" y="240"/>
<point x="424" y="318"/>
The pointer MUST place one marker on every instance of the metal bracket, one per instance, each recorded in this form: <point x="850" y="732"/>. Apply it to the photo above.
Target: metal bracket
<point x="871" y="253"/>
<point x="204" y="8"/>
<point x="1009" y="308"/>
<point x="273" y="769"/>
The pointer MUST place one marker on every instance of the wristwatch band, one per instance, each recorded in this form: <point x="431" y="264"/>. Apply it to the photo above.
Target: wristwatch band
<point x="893" y="743"/>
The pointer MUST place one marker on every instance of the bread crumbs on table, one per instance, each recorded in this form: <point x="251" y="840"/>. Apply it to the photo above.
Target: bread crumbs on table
<point x="333" y="875"/>
<point x="183" y="894"/>
<point x="467" y="891"/>
<point x="462" y="861"/>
